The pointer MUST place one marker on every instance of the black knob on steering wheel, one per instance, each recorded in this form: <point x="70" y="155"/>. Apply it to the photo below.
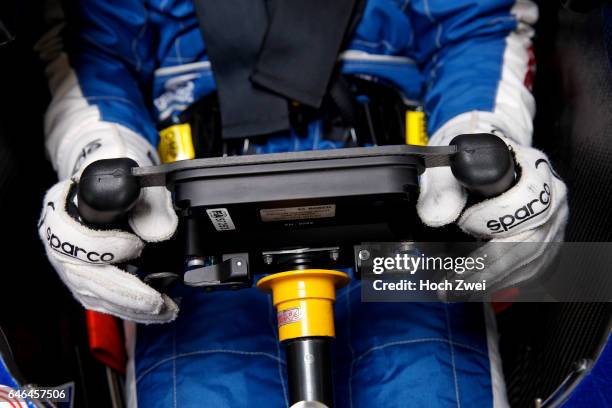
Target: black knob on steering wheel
<point x="107" y="191"/>
<point x="483" y="164"/>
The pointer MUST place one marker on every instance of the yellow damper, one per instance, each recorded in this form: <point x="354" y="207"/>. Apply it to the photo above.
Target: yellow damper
<point x="304" y="301"/>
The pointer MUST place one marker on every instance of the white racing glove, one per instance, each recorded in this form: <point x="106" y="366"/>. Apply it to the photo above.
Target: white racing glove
<point x="84" y="257"/>
<point x="531" y="215"/>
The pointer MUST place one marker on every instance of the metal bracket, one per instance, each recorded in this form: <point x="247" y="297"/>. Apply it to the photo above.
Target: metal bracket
<point x="231" y="273"/>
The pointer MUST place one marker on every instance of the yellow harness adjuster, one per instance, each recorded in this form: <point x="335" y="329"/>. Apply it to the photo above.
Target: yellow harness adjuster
<point x="175" y="143"/>
<point x="416" y="128"/>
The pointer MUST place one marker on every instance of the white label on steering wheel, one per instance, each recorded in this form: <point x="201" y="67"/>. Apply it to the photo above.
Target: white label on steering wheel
<point x="221" y="219"/>
<point x="307" y="212"/>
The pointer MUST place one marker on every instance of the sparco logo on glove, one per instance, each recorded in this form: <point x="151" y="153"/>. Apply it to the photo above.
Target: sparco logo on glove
<point x="74" y="251"/>
<point x="524" y="213"/>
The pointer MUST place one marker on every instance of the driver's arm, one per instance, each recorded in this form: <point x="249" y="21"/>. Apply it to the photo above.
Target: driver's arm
<point x="99" y="65"/>
<point x="476" y="57"/>
<point x="478" y="63"/>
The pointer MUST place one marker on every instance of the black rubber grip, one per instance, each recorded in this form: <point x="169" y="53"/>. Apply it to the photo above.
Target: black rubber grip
<point x="107" y="190"/>
<point x="483" y="164"/>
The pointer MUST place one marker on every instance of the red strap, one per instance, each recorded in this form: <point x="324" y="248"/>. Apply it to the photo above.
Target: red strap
<point x="105" y="340"/>
<point x="503" y="299"/>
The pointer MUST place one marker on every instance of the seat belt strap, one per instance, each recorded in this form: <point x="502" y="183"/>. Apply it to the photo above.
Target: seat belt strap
<point x="301" y="47"/>
<point x="265" y="52"/>
<point x="233" y="32"/>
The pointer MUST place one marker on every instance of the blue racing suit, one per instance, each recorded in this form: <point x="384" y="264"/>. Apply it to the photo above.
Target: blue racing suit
<point x="139" y="62"/>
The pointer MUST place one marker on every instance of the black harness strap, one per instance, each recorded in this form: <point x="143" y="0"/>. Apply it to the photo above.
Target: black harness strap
<point x="233" y="32"/>
<point x="301" y="48"/>
<point x="264" y="53"/>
